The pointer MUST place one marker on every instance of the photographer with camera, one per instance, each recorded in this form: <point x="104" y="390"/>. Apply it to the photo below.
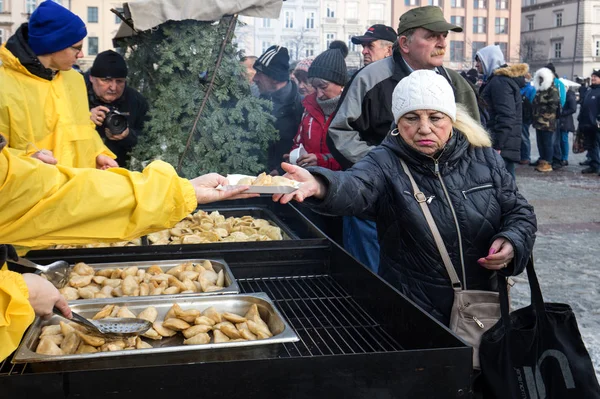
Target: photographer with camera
<point x="117" y="109"/>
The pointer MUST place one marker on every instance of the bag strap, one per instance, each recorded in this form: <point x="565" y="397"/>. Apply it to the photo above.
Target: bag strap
<point x="537" y="300"/>
<point x="422" y="200"/>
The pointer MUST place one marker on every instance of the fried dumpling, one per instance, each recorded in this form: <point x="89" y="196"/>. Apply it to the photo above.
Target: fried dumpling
<point x="47" y="347"/>
<point x="220" y="337"/>
<point x="212" y="313"/>
<point x="70" y="344"/>
<point x="150" y="314"/>
<point x="104" y="312"/>
<point x="201" y="338"/>
<point x="197" y="329"/>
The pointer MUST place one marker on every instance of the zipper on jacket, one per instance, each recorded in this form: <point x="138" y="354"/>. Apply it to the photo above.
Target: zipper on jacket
<point x="472" y="190"/>
<point x="460" y="246"/>
<point x="479" y="323"/>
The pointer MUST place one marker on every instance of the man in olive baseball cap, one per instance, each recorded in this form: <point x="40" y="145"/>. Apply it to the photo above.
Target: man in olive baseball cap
<point x="429" y="17"/>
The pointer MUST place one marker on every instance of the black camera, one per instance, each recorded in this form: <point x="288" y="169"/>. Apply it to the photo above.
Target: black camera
<point x="115" y="121"/>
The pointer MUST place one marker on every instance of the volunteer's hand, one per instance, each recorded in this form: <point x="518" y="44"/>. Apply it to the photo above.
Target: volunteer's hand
<point x="43" y="296"/>
<point x="98" y="114"/>
<point x="104" y="162"/>
<point x="307" y="160"/>
<point x="500" y="254"/>
<point x="116" y="137"/>
<point x="206" y="189"/>
<point x="311" y="186"/>
<point x="45" y="156"/>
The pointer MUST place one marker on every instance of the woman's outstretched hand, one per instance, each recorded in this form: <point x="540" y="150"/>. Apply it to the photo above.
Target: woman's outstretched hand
<point x="310" y="187"/>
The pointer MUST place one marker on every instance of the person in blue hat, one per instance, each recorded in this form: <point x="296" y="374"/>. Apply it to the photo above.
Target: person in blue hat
<point x="43" y="101"/>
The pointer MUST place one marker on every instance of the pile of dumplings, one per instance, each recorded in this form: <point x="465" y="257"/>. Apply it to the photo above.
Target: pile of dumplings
<point x="197" y="327"/>
<point x="267" y="180"/>
<point x="202" y="227"/>
<point x="137" y="242"/>
<point x="87" y="283"/>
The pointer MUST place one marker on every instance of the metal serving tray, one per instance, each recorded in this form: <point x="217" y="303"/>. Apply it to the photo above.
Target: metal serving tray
<point x="231" y="285"/>
<point x="238" y="304"/>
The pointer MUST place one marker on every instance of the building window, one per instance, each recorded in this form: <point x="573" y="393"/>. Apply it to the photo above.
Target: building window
<point x="504" y="47"/>
<point x="411" y="2"/>
<point x="289" y="19"/>
<point x="92" y="14"/>
<point x="434" y="3"/>
<point x="351" y="46"/>
<point x="30" y="6"/>
<point x="456" y="3"/>
<point x="457" y="50"/>
<point x="330" y="13"/>
<point x="376" y="12"/>
<point x="476" y="46"/>
<point x="92" y="46"/>
<point x="58" y="2"/>
<point x="501" y="25"/>
<point x="266" y="23"/>
<point x="558" y="50"/>
<point x="352" y="11"/>
<point x="117" y="19"/>
<point x="309" y="49"/>
<point x="529" y="2"/>
<point x="558" y="19"/>
<point x="457" y="20"/>
<point x="265" y="46"/>
<point x="1" y="36"/>
<point x="310" y="20"/>
<point x="329" y="37"/>
<point x="501" y="4"/>
<point x="1" y="6"/>
<point x="530" y="25"/>
<point x="479" y="24"/>
<point x="597" y="48"/>
<point x="479" y="4"/>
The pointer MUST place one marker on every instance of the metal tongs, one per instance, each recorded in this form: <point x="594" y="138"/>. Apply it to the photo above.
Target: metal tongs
<point x="116" y="327"/>
<point x="56" y="272"/>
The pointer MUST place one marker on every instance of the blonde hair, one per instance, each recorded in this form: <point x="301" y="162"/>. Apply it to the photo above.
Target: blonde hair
<point x="476" y="135"/>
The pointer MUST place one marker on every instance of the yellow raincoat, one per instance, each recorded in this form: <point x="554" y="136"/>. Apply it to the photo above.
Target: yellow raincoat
<point x="36" y="114"/>
<point x="43" y="204"/>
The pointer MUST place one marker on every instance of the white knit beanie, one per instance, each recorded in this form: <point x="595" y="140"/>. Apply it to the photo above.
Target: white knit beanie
<point x="423" y="89"/>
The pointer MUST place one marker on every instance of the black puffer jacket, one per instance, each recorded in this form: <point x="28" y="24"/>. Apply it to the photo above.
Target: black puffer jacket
<point x="567" y="112"/>
<point x="482" y="193"/>
<point x="502" y="97"/>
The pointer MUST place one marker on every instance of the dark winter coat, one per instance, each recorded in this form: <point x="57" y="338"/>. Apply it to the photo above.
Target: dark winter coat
<point x="590" y="108"/>
<point x="566" y="116"/>
<point x="287" y="110"/>
<point x="502" y="98"/>
<point x="481" y="192"/>
<point x="364" y="115"/>
<point x="312" y="133"/>
<point x="132" y="103"/>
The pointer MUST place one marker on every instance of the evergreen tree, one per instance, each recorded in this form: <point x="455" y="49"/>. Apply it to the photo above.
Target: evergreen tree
<point x="172" y="66"/>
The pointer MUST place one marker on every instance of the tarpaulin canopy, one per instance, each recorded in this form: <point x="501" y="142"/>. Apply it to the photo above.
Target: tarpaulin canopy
<point x="147" y="14"/>
<point x="569" y="83"/>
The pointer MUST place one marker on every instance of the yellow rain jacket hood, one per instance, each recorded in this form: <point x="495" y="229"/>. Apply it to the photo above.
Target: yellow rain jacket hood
<point x="43" y="204"/>
<point x="40" y="109"/>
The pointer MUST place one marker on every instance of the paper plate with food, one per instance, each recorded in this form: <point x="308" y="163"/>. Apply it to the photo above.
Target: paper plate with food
<point x="262" y="184"/>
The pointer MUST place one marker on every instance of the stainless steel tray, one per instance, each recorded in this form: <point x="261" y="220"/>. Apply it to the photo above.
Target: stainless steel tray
<point x="239" y="304"/>
<point x="230" y="286"/>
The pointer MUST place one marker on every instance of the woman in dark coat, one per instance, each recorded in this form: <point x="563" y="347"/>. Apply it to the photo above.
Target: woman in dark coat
<point x="486" y="225"/>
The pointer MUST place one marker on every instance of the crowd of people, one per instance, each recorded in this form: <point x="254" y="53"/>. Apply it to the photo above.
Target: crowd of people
<point x="351" y="140"/>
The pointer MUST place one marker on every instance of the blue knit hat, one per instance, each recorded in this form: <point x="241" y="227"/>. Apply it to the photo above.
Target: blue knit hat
<point x="53" y="28"/>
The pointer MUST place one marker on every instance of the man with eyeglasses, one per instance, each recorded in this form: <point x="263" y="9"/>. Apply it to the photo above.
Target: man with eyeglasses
<point x="43" y="101"/>
<point x="117" y="110"/>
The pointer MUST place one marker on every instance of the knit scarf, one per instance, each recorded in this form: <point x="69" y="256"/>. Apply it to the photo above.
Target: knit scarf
<point x="328" y="106"/>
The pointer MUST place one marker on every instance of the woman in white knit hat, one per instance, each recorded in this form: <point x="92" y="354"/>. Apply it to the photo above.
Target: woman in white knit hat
<point x="485" y="223"/>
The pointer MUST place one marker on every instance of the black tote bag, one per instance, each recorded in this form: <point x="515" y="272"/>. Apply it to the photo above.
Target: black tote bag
<point x="536" y="352"/>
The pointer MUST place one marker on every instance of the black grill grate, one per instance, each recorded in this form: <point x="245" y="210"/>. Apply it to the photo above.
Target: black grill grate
<point x="327" y="319"/>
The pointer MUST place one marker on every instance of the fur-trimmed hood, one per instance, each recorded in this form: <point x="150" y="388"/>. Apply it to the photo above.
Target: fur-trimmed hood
<point x="543" y="79"/>
<point x="512" y="71"/>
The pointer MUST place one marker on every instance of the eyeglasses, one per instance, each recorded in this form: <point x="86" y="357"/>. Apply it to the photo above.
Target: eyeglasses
<point x="78" y="49"/>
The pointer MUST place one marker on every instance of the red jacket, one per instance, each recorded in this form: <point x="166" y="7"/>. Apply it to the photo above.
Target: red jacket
<point x="312" y="133"/>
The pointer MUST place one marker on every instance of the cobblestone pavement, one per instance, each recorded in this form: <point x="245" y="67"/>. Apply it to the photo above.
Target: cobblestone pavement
<point x="567" y="248"/>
